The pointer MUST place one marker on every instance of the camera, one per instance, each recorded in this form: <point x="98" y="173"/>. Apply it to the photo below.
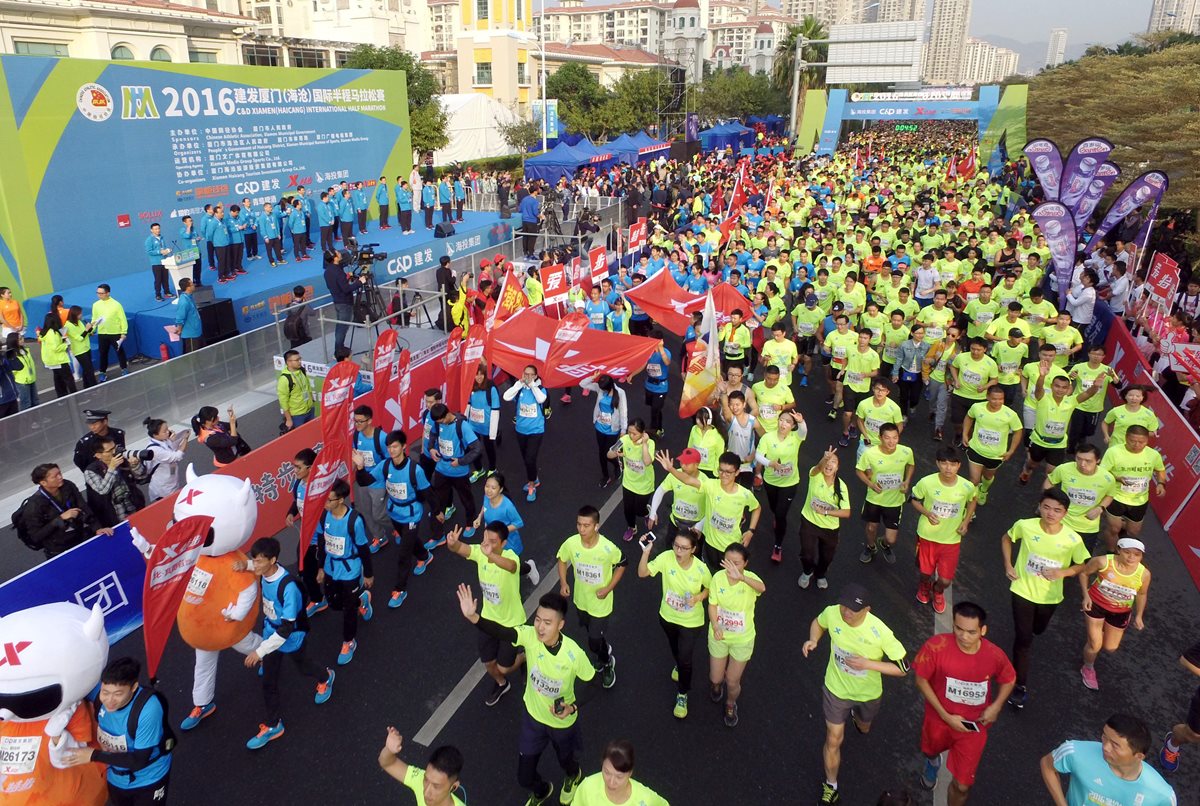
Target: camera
<point x="359" y="259"/>
<point x="144" y="455"/>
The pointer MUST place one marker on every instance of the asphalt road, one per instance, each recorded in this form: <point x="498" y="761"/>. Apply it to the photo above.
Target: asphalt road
<point x="410" y="660"/>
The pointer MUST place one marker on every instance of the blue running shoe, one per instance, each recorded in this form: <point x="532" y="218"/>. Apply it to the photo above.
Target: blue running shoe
<point x="434" y="542"/>
<point x="420" y="567"/>
<point x="198" y="714"/>
<point x="469" y="532"/>
<point x="397" y="599"/>
<point x="364" y="609"/>
<point x="347" y="653"/>
<point x="316" y="607"/>
<point x="325" y="690"/>
<point x="930" y="773"/>
<point x="265" y="735"/>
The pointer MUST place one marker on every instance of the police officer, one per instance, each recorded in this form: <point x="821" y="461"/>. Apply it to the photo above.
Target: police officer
<point x="98" y="428"/>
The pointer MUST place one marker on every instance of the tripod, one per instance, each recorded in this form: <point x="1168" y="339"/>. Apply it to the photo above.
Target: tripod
<point x="550" y="224"/>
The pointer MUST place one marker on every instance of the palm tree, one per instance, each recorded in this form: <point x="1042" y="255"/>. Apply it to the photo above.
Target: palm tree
<point x="785" y="57"/>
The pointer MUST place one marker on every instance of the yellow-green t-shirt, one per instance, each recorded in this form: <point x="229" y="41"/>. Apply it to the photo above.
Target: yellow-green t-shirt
<point x="687" y="502"/>
<point x="823" y="498"/>
<point x="839" y="345"/>
<point x="999" y="328"/>
<point x="771" y="401"/>
<point x="808" y="320"/>
<point x="723" y="524"/>
<point x="414" y="779"/>
<point x="875" y="416"/>
<point x="893" y="337"/>
<point x="935" y="322"/>
<point x="1134" y="472"/>
<point x="735" y="607"/>
<point x="1063" y="341"/>
<point x="980" y="316"/>
<point x="678" y="585"/>
<point x="1008" y="361"/>
<point x="551" y="675"/>
<point x="860" y="369"/>
<point x="501" y="589"/>
<point x="888" y="471"/>
<point x="1120" y="418"/>
<point x="876" y="324"/>
<point x="593" y="570"/>
<point x="782" y="354"/>
<point x="785" y="452"/>
<point x="1086" y="493"/>
<point x="1030" y="372"/>
<point x="710" y="444"/>
<point x="973" y="375"/>
<point x="639" y="474"/>
<point x="1037" y="314"/>
<point x="591" y="792"/>
<point x="991" y="430"/>
<point x="1039" y="550"/>
<point x="1053" y="418"/>
<point x="948" y="503"/>
<point x="1086" y="377"/>
<point x="872" y="639"/>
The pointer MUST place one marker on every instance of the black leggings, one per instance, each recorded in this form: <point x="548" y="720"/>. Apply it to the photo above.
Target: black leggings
<point x="443" y="489"/>
<point x="410" y="547"/>
<point x="86" y="371"/>
<point x="272" y="665"/>
<point x="64" y="381"/>
<point x="343" y="595"/>
<point x="683" y="646"/>
<point x="635" y="506"/>
<point x="817" y="547"/>
<point x="489" y="447"/>
<point x="1029" y="619"/>
<point x="604" y="443"/>
<point x="596" y="628"/>
<point x="910" y="395"/>
<point x="656" y="401"/>
<point x="779" y="499"/>
<point x="530" y="444"/>
<point x="309" y="575"/>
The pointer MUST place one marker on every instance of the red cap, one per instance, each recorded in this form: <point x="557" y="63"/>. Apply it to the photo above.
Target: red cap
<point x="499" y="258"/>
<point x="484" y="263"/>
<point x="689" y="456"/>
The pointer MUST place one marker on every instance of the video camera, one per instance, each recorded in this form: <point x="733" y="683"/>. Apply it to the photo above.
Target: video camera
<point x="363" y="257"/>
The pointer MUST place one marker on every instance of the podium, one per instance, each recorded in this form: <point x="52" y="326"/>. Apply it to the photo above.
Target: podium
<point x="179" y="265"/>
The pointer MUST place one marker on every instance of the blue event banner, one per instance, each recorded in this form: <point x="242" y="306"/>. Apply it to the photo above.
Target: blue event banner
<point x="107" y="571"/>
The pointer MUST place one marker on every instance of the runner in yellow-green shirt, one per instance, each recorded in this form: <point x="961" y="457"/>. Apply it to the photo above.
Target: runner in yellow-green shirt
<point x="779" y="454"/>
<point x="1052" y="417"/>
<point x="853" y="688"/>
<point x="1047" y="552"/>
<point x="635" y="449"/>
<point x="1029" y="376"/>
<point x="774" y="397"/>
<point x="1133" y="411"/>
<point x="862" y="364"/>
<point x="1136" y="467"/>
<point x="780" y="351"/>
<point x="1089" y="488"/>
<point x="971" y="374"/>
<point x="731" y="600"/>
<point x="687" y="501"/>
<point x="707" y="440"/>
<point x="437" y="784"/>
<point x="838" y="344"/>
<point x="614" y="784"/>
<point x="946" y="503"/>
<point x="991" y="435"/>
<point x="726" y="505"/>
<point x="1087" y="414"/>
<point x="685" y="586"/>
<point x="1065" y="339"/>
<point x="826" y="503"/>
<point x="1009" y="355"/>
<point x="598" y="566"/>
<point x="887" y="470"/>
<point x="874" y="412"/>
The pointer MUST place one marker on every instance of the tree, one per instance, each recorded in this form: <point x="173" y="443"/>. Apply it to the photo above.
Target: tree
<point x="810" y="28"/>
<point x="738" y="93"/>
<point x="426" y="117"/>
<point x="1145" y="104"/>
<point x="521" y="135"/>
<point x="579" y="94"/>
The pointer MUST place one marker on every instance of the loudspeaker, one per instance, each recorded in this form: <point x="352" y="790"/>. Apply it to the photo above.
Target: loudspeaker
<point x="217" y="320"/>
<point x="444" y="229"/>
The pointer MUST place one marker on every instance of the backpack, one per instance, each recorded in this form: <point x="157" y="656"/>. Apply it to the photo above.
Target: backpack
<point x="168" y="741"/>
<point x="363" y="477"/>
<point x="354" y="513"/>
<point x="21" y="527"/>
<point x="295" y="324"/>
<point x="302" y="624"/>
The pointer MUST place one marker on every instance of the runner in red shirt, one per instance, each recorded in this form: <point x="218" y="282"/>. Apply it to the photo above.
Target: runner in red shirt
<point x="956" y="674"/>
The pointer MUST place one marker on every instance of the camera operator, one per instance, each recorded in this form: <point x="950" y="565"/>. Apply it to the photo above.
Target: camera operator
<point x="162" y="458"/>
<point x="444" y="276"/>
<point x="531" y="218"/>
<point x="341" y="288"/>
<point x="112" y="483"/>
<point x="56" y="516"/>
<point x="587" y="225"/>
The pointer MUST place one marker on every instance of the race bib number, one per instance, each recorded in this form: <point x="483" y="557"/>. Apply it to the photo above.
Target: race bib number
<point x="397" y="490"/>
<point x="703" y="454"/>
<point x="786" y="469"/>
<point x="199" y="582"/>
<point x="685" y="511"/>
<point x="654" y="371"/>
<point x="983" y="317"/>
<point x="110" y="743"/>
<point x="1037" y="564"/>
<point x="1081" y="497"/>
<point x="733" y="349"/>
<point x="721" y="523"/>
<point x="598" y="319"/>
<point x="934" y="333"/>
<point x="1054" y="428"/>
<point x="822" y="507"/>
<point x="368" y="458"/>
<point x="839" y="352"/>
<point x="18" y="754"/>
<point x="678" y="601"/>
<point x="806" y="328"/>
<point x="446" y="448"/>
<point x="731" y="620"/>
<point x="491" y="592"/>
<point x="873" y="425"/>
<point x="853" y="377"/>
<point x="890" y="352"/>
<point x="269" y="609"/>
<point x="766" y="411"/>
<point x="970" y="378"/>
<point x="1134" y="485"/>
<point x="634" y="465"/>
<point x="966" y="692"/>
<point x="1061" y="349"/>
<point x="335" y="545"/>
<point x="988" y="438"/>
<point x="546" y="686"/>
<point x="945" y="510"/>
<point x="840" y="656"/>
<point x="527" y="410"/>
<point x="589" y="574"/>
<point x="476" y="415"/>
<point x="604" y="418"/>
<point x="1116" y="592"/>
<point x="888" y="481"/>
<point x="1008" y="367"/>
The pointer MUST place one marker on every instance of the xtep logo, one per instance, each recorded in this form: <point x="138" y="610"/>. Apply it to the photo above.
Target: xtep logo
<point x="191" y="496"/>
<point x="12" y="653"/>
<point x="296" y="180"/>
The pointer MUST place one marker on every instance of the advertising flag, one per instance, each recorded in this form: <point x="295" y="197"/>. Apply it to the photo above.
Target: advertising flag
<point x="333" y="460"/>
<point x="510" y="299"/>
<point x="637" y="235"/>
<point x="472" y="355"/>
<point x="1059" y="228"/>
<point x="598" y="263"/>
<point x="666" y="302"/>
<point x="404" y="386"/>
<point x="554" y="283"/>
<point x="1163" y="280"/>
<point x="168" y="571"/>
<point x="1082" y="163"/>
<point x="1146" y="189"/>
<point x="703" y="366"/>
<point x="452" y="365"/>
<point x="1047" y="165"/>
<point x="385" y="380"/>
<point x="566" y="350"/>
<point x="1106" y="175"/>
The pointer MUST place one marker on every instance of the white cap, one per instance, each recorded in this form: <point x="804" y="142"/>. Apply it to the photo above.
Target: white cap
<point x="1130" y="543"/>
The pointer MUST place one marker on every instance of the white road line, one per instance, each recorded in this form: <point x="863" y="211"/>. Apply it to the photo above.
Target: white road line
<point x="943" y="623"/>
<point x="458" y="695"/>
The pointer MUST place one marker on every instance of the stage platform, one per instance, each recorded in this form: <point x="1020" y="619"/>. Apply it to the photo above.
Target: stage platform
<point x="255" y="294"/>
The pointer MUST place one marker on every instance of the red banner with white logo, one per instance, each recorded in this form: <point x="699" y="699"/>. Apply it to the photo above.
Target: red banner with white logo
<point x="554" y="283"/>
<point x="637" y="235"/>
<point x="667" y="303"/>
<point x="167" y="573"/>
<point x="471" y="354"/>
<point x="333" y="460"/>
<point x="510" y="299"/>
<point x="1163" y="279"/>
<point x="385" y="380"/>
<point x="566" y="351"/>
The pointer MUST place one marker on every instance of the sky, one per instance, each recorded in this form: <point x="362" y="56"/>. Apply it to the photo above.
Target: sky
<point x="1086" y="21"/>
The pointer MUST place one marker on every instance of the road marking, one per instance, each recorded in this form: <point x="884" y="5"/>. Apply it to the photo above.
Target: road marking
<point x="458" y="695"/>
<point x="943" y="623"/>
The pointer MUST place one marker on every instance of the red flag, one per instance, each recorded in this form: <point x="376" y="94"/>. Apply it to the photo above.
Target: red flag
<point x="966" y="166"/>
<point x="554" y="283"/>
<point x="598" y="263"/>
<point x="704" y="365"/>
<point x="452" y="366"/>
<point x="727" y="227"/>
<point x="739" y="191"/>
<point x="566" y="351"/>
<point x="386" y="383"/>
<point x="727" y="299"/>
<point x="470" y="357"/>
<point x="404" y="389"/>
<point x="859" y="164"/>
<point x="510" y="299"/>
<point x="665" y="301"/>
<point x="952" y="169"/>
<point x="637" y="235"/>
<point x="167" y="573"/>
<point x="333" y="460"/>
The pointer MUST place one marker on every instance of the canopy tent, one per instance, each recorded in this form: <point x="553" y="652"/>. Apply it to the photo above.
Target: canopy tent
<point x="562" y="160"/>
<point x="772" y="123"/>
<point x="623" y="149"/>
<point x="725" y="135"/>
<point x="473" y="123"/>
<point x="648" y="147"/>
<point x="597" y="157"/>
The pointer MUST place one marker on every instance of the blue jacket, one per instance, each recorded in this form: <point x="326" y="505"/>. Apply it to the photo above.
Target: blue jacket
<point x="188" y="318"/>
<point x="219" y="233"/>
<point x="444" y="191"/>
<point x="206" y="227"/>
<point x="360" y="199"/>
<point x="236" y="225"/>
<point x="307" y="203"/>
<point x="154" y="243"/>
<point x="251" y="218"/>
<point x="296" y="221"/>
<point x="346" y="209"/>
<point x="428" y="195"/>
<point x="381" y="194"/>
<point x="531" y="208"/>
<point x="460" y="192"/>
<point x="268" y="225"/>
<point x="325" y="213"/>
<point x="404" y="199"/>
<point x="189" y="238"/>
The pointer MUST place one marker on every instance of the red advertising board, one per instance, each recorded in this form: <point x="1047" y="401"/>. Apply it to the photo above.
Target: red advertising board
<point x="1163" y="279"/>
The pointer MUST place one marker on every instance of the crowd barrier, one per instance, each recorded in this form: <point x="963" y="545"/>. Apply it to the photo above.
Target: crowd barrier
<point x="110" y="571"/>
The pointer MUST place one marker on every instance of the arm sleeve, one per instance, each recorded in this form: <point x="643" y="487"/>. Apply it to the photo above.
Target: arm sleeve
<point x="495" y="630"/>
<point x="511" y="392"/>
<point x="360" y="531"/>
<point x="659" y="492"/>
<point x="539" y="394"/>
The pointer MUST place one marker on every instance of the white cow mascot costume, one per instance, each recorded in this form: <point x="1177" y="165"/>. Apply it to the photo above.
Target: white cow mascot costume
<point x="51" y="657"/>
<point x="220" y="606"/>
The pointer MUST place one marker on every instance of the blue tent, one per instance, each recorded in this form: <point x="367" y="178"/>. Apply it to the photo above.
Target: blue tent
<point x="598" y="157"/>
<point x="623" y="149"/>
<point x="648" y="147"/>
<point x="726" y="135"/>
<point x="562" y="160"/>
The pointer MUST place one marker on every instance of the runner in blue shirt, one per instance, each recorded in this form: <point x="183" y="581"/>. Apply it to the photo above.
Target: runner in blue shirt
<point x="483" y="412"/>
<point x="1110" y="771"/>
<point x="531" y="424"/>
<point x="658" y="369"/>
<point x="346" y="570"/>
<point x="453" y="446"/>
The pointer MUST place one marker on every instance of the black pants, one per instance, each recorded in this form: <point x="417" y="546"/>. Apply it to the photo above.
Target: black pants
<point x="428" y="217"/>
<point x="596" y="628"/>
<point x="336" y="227"/>
<point x="1083" y="426"/>
<point x="212" y="254"/>
<point x="817" y="547"/>
<point x="236" y="252"/>
<point x="361" y="215"/>
<point x="634" y="505"/>
<point x="712" y="557"/>
<point x="299" y="244"/>
<point x="309" y="575"/>
<point x="447" y="216"/>
<point x="162" y="280"/>
<point x="910" y="395"/>
<point x="191" y="345"/>
<point x="405" y="217"/>
<point x="347" y="230"/>
<point x="275" y="250"/>
<point x="531" y="743"/>
<point x="342" y="595"/>
<point x="604" y="443"/>
<point x="683" y="646"/>
<point x="87" y="372"/>
<point x="224" y="256"/>
<point x="383" y="216"/>
<point x="326" y="237"/>
<point x="529" y="230"/>
<point x="489" y="447"/>
<point x="443" y="489"/>
<point x="251" y="244"/>
<point x="410" y="548"/>
<point x="1029" y="619"/>
<point x="458" y="205"/>
<point x="307" y="228"/>
<point x="107" y="341"/>
<point x="530" y="444"/>
<point x="656" y="401"/>
<point x="272" y="665"/>
<point x="779" y="500"/>
<point x="154" y="794"/>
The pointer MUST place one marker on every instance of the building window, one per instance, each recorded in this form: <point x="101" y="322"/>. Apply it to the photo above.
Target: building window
<point x="122" y="53"/>
<point x="202" y="57"/>
<point x="340" y="57"/>
<point x="522" y="73"/>
<point x="520" y="9"/>
<point x="263" y="15"/>
<point x="39" y="48"/>
<point x="483" y="73"/>
<point x="481" y="11"/>
<point x="160" y="54"/>
<point x="261" y="55"/>
<point x="308" y="57"/>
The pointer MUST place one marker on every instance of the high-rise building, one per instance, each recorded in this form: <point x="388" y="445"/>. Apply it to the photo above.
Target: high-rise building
<point x="897" y="11"/>
<point x="984" y="63"/>
<point x="947" y="41"/>
<point x="1056" y="51"/>
<point x="1174" y="15"/>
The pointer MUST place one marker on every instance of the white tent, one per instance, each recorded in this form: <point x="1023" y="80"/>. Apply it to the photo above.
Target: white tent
<point x="472" y="122"/>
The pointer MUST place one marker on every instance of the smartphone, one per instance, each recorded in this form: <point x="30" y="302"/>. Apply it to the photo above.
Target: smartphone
<point x="972" y="727"/>
<point x="647" y="539"/>
<point x="560" y="706"/>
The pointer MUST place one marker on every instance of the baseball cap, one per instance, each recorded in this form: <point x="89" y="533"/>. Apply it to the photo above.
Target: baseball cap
<point x="854" y="597"/>
<point x="1131" y="543"/>
<point x="689" y="456"/>
<point x="811" y="300"/>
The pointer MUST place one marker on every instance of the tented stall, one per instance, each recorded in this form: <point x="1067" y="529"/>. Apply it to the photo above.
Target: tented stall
<point x="562" y="160"/>
<point x="473" y="123"/>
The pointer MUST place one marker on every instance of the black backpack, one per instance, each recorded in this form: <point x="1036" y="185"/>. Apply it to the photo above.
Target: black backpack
<point x="22" y="528"/>
<point x="168" y="741"/>
<point x="295" y="324"/>
<point x="302" y="618"/>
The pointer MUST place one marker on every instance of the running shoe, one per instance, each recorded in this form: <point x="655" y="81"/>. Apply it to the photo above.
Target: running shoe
<point x="325" y="690"/>
<point x="888" y="554"/>
<point x="566" y="398"/>
<point x="265" y="735"/>
<point x="716" y="693"/>
<point x="659" y="433"/>
<point x="1023" y="479"/>
<point x="804" y="580"/>
<point x="1088" y="673"/>
<point x="831" y="415"/>
<point x="421" y="565"/>
<point x="469" y="532"/>
<point x="1018" y="698"/>
<point x="1168" y="759"/>
<point x="731" y="715"/>
<point x="803" y="380"/>
<point x="530" y="492"/>
<point x="568" y="788"/>
<point x="377" y="544"/>
<point x="937" y="435"/>
<point x="829" y="400"/>
<point x="843" y="441"/>
<point x="939" y="602"/>
<point x="680" y="710"/>
<point x="868" y="554"/>
<point x="535" y="576"/>
<point x="477" y="475"/>
<point x="449" y="513"/>
<point x="316" y="607"/>
<point x="923" y="591"/>
<point x="496" y="693"/>
<point x="434" y="542"/>
<point x="929" y="774"/>
<point x="608" y="675"/>
<point x="347" y="653"/>
<point x="628" y="535"/>
<point x="822" y="583"/>
<point x="854" y="432"/>
<point x="981" y="497"/>
<point x="364" y="608"/>
<point x="605" y="483"/>
<point x="397" y="598"/>
<point x="776" y="554"/>
<point x="534" y="800"/>
<point x="829" y="794"/>
<point x="198" y="715"/>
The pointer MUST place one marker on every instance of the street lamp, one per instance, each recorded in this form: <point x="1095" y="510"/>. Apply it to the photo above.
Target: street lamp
<point x="800" y="65"/>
